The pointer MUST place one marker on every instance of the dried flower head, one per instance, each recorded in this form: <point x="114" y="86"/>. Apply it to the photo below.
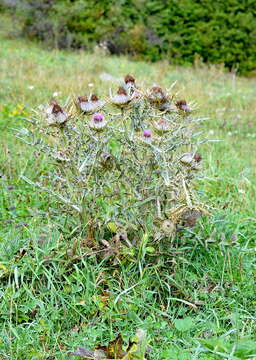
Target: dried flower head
<point x="94" y="97"/>
<point x="197" y="157"/>
<point x="129" y="79"/>
<point x="162" y="126"/>
<point x="121" y="98"/>
<point x="157" y="95"/>
<point x="91" y="105"/>
<point x="55" y="115"/>
<point x="192" y="160"/>
<point x="187" y="158"/>
<point x="82" y="99"/>
<point x="182" y="105"/>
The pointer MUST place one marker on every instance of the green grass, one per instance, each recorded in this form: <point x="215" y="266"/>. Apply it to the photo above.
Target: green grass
<point x="52" y="302"/>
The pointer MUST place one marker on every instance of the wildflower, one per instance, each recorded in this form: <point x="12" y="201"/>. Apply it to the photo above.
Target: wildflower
<point x="129" y="83"/>
<point x="147" y="133"/>
<point x="192" y="160"/>
<point x="31" y="87"/>
<point x="121" y="98"/>
<point x="187" y="158"/>
<point x="98" y="117"/>
<point x="182" y="105"/>
<point x="98" y="122"/>
<point x="157" y="95"/>
<point x="89" y="105"/>
<point x="90" y="85"/>
<point x="162" y="126"/>
<point x="129" y="80"/>
<point x="55" y="115"/>
<point x="197" y="157"/>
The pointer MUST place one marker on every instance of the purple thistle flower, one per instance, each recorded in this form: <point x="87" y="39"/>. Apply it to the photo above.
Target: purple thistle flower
<point x="98" y="117"/>
<point x="147" y="133"/>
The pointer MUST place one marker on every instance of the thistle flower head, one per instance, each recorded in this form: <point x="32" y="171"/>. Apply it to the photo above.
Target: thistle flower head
<point x="192" y="160"/>
<point x="147" y="133"/>
<point x="187" y="158"/>
<point x="121" y="91"/>
<point x="197" y="157"/>
<point x="157" y="89"/>
<point x="56" y="109"/>
<point x="89" y="105"/>
<point x="182" y="105"/>
<point x="98" y="121"/>
<point x="162" y="126"/>
<point x="98" y="117"/>
<point x="94" y="97"/>
<point x="121" y="98"/>
<point x="55" y="115"/>
<point x="129" y="79"/>
<point x="157" y="95"/>
<point x="82" y="99"/>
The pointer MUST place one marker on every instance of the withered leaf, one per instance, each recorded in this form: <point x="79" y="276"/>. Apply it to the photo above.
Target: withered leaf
<point x="137" y="348"/>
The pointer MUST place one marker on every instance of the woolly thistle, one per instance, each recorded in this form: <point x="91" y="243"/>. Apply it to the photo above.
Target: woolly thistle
<point x="135" y="175"/>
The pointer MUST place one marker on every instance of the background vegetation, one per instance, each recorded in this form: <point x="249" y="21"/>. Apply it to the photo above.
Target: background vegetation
<point x="197" y="302"/>
<point x="178" y="30"/>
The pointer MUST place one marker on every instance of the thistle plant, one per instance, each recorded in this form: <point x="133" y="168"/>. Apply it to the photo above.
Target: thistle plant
<point x="127" y="164"/>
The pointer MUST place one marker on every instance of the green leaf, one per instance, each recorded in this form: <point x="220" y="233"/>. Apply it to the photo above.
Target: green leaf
<point x="184" y="324"/>
<point x="150" y="249"/>
<point x="112" y="227"/>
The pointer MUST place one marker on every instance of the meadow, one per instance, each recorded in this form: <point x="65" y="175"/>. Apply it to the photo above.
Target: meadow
<point x="197" y="302"/>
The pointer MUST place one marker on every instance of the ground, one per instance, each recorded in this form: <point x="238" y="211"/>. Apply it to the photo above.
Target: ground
<point x="50" y="303"/>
